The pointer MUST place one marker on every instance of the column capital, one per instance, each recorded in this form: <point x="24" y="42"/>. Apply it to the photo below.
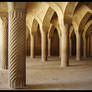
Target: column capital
<point x="16" y="6"/>
<point x="3" y="21"/>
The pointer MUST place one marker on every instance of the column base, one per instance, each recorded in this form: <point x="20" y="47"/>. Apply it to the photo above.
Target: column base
<point x="49" y="55"/>
<point x="78" y="59"/>
<point x="70" y="55"/>
<point x="17" y="84"/>
<point x="64" y="64"/>
<point x="32" y="57"/>
<point x="84" y="56"/>
<point x="44" y="59"/>
<point x="4" y="68"/>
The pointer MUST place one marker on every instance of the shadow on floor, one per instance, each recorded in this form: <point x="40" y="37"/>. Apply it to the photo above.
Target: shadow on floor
<point x="62" y="86"/>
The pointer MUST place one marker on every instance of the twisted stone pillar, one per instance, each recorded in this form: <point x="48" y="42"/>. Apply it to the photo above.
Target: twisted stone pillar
<point x="70" y="46"/>
<point x="44" y="46"/>
<point x="32" y="46"/>
<point x="78" y="46"/>
<point x="65" y="47"/>
<point x="84" y="48"/>
<point x="16" y="48"/>
<point x="49" y="46"/>
<point x="3" y="43"/>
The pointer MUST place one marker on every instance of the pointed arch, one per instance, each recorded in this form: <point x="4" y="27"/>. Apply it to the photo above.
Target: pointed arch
<point x="71" y="31"/>
<point x="47" y="18"/>
<point x="89" y="24"/>
<point x="69" y="11"/>
<point x="80" y="17"/>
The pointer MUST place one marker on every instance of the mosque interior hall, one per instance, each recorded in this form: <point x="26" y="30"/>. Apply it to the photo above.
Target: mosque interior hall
<point x="45" y="45"/>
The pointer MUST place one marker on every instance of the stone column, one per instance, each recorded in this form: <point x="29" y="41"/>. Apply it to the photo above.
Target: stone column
<point x="70" y="46"/>
<point x="88" y="46"/>
<point x="84" y="48"/>
<point x="91" y="45"/>
<point x="32" y="46"/>
<point x="3" y="43"/>
<point x="44" y="46"/>
<point x="16" y="44"/>
<point x="65" y="47"/>
<point x="78" y="46"/>
<point x="49" y="46"/>
<point x="60" y="47"/>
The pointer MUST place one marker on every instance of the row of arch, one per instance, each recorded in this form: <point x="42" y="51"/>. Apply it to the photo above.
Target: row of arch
<point x="72" y="33"/>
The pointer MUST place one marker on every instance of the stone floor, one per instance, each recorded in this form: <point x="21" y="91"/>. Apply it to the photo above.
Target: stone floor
<point x="49" y="75"/>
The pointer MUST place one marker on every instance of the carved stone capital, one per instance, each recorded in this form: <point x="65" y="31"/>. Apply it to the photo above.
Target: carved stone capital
<point x="16" y="6"/>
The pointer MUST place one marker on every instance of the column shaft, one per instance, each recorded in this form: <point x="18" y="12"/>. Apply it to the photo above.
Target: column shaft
<point x="49" y="46"/>
<point x="84" y="48"/>
<point x="65" y="48"/>
<point x="70" y="46"/>
<point x="60" y="47"/>
<point x="44" y="46"/>
<point x="88" y="46"/>
<point x="16" y="49"/>
<point x="3" y="43"/>
<point x="78" y="46"/>
<point x="32" y="46"/>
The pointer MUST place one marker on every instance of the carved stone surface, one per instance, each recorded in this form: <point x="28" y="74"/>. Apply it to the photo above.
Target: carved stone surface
<point x="3" y="43"/>
<point x="16" y="49"/>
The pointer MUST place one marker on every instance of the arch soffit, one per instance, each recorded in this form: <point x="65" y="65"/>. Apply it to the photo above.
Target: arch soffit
<point x="86" y="28"/>
<point x="80" y="17"/>
<point x="52" y="29"/>
<point x="71" y="31"/>
<point x="69" y="11"/>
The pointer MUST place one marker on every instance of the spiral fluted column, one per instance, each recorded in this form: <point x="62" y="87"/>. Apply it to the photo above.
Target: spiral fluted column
<point x="16" y="45"/>
<point x="3" y="43"/>
<point x="65" y="47"/>
<point x="44" y="46"/>
<point x="32" y="46"/>
<point x="78" y="46"/>
<point x="49" y="46"/>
